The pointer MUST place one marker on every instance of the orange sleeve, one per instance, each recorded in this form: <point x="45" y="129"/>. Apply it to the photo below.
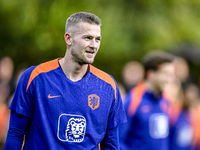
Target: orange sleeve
<point x="44" y="67"/>
<point x="104" y="76"/>
<point x="136" y="97"/>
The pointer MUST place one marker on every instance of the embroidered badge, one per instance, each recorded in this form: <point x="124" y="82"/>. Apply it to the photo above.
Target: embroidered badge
<point x="93" y="101"/>
<point x="71" y="128"/>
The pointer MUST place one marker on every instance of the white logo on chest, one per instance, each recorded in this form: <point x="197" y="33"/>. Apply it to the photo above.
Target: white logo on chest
<point x="75" y="129"/>
<point x="158" y="126"/>
<point x="71" y="128"/>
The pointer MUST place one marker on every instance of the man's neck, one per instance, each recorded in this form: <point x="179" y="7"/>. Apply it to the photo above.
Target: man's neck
<point x="152" y="88"/>
<point x="72" y="70"/>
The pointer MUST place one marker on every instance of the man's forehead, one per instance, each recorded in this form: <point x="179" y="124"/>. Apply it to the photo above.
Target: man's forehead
<point x="86" y="27"/>
<point x="166" y="66"/>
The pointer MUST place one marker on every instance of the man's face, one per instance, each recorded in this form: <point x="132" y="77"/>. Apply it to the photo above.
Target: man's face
<point x="85" y="43"/>
<point x="164" y="75"/>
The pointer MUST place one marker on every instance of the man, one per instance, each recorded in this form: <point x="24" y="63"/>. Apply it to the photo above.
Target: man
<point x="148" y="127"/>
<point x="67" y="103"/>
<point x="180" y="119"/>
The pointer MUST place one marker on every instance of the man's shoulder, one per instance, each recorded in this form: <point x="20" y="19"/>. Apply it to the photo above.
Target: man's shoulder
<point x="98" y="71"/>
<point x="101" y="74"/>
<point x="135" y="96"/>
<point x="104" y="76"/>
<point x="34" y="71"/>
<point x="43" y="67"/>
<point x="47" y="66"/>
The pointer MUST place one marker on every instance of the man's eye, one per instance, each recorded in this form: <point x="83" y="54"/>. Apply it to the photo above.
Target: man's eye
<point x="98" y="39"/>
<point x="88" y="38"/>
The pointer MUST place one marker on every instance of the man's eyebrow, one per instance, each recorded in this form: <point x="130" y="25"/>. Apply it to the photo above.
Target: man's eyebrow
<point x="98" y="37"/>
<point x="92" y="36"/>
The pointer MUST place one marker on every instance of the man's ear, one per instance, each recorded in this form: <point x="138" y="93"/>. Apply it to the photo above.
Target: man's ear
<point x="67" y="37"/>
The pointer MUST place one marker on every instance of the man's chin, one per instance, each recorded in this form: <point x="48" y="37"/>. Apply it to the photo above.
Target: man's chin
<point x="87" y="62"/>
<point x="90" y="61"/>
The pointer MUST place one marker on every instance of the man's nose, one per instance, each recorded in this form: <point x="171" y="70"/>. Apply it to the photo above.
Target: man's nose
<point x="94" y="43"/>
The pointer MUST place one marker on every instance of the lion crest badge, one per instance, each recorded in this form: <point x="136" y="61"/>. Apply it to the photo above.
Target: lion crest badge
<point x="71" y="128"/>
<point x="93" y="101"/>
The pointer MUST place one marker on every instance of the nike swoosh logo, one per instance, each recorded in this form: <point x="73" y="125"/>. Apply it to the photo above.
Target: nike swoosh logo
<point x="49" y="96"/>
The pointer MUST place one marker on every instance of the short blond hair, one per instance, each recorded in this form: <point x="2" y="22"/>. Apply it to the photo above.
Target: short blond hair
<point x="78" y="17"/>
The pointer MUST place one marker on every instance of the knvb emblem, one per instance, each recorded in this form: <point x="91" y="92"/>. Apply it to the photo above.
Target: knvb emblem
<point x="93" y="101"/>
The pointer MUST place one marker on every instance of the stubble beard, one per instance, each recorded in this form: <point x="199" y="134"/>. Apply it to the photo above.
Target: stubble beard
<point x="80" y="58"/>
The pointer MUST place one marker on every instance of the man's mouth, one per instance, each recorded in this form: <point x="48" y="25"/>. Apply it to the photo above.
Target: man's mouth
<point x="91" y="52"/>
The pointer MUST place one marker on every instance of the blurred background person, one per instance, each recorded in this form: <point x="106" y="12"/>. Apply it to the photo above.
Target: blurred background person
<point x="191" y="92"/>
<point x="181" y="69"/>
<point x="6" y="76"/>
<point x="6" y="89"/>
<point x="181" y="131"/>
<point x="146" y="108"/>
<point x="191" y="96"/>
<point x="132" y="74"/>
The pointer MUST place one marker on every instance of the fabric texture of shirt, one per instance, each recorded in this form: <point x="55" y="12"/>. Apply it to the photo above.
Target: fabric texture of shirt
<point x="65" y="114"/>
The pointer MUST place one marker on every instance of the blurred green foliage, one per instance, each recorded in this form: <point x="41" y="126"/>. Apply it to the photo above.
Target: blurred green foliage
<point x="33" y="31"/>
